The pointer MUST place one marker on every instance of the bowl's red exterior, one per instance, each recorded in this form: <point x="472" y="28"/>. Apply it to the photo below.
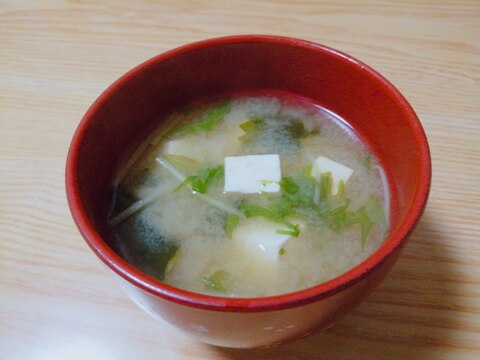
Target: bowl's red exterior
<point x="123" y="115"/>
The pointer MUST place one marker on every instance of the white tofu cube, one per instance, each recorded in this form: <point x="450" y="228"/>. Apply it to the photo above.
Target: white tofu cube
<point x="259" y="240"/>
<point x="252" y="174"/>
<point x="339" y="172"/>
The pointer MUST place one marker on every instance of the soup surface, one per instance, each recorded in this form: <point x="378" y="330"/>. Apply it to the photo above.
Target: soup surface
<point x="249" y="197"/>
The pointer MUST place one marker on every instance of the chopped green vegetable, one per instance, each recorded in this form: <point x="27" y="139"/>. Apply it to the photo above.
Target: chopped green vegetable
<point x="366" y="216"/>
<point x="208" y="122"/>
<point x="334" y="209"/>
<point x="254" y="124"/>
<point x="365" y="226"/>
<point x="183" y="163"/>
<point x="180" y="177"/>
<point x="251" y="209"/>
<point x="325" y="185"/>
<point x="371" y="214"/>
<point x="282" y="251"/>
<point x="342" y="189"/>
<point x="288" y="185"/>
<point x="375" y="212"/>
<point x="286" y="131"/>
<point x="340" y="218"/>
<point x="296" y="129"/>
<point x="252" y="129"/>
<point x="297" y="194"/>
<point x="266" y="182"/>
<point x="294" y="232"/>
<point x="306" y="189"/>
<point x="283" y="205"/>
<point x="213" y="282"/>
<point x="204" y="179"/>
<point x="296" y="201"/>
<point x="231" y="222"/>
<point x="340" y="208"/>
<point x="325" y="193"/>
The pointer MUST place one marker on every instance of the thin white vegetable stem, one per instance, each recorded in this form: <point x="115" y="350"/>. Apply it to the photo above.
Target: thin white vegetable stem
<point x="165" y="131"/>
<point x="180" y="177"/>
<point x="219" y="205"/>
<point x="171" y="169"/>
<point x="138" y="205"/>
<point x="311" y="158"/>
<point x="130" y="163"/>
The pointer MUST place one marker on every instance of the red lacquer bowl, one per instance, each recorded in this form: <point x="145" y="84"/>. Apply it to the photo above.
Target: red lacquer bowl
<point x="124" y="114"/>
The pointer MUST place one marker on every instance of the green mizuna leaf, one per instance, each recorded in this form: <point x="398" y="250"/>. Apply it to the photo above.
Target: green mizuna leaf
<point x="306" y="189"/>
<point x="252" y="129"/>
<point x="342" y="189"/>
<point x="255" y="129"/>
<point x="370" y="214"/>
<point x="183" y="163"/>
<point x="208" y="122"/>
<point x="254" y="124"/>
<point x="366" y="217"/>
<point x="296" y="201"/>
<point x="325" y="185"/>
<point x="231" y="223"/>
<point x="294" y="231"/>
<point x="296" y="129"/>
<point x="289" y="186"/>
<point x="214" y="281"/>
<point x="375" y="212"/>
<point x="203" y="180"/>
<point x="251" y="210"/>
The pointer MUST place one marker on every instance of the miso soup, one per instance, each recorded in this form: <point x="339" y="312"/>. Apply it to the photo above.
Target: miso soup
<point x="249" y="197"/>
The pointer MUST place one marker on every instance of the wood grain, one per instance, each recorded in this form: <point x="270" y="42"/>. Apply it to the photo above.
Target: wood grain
<point x="56" y="300"/>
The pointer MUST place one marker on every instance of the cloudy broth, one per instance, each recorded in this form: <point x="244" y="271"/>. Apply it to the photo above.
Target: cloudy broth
<point x="183" y="213"/>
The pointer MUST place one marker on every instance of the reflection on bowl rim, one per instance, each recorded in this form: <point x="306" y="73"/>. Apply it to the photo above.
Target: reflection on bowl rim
<point x="282" y="301"/>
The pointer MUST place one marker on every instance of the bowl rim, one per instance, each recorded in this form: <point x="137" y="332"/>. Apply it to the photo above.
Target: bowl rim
<point x="320" y="291"/>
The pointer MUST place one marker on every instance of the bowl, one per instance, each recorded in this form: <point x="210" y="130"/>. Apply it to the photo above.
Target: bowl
<point x="132" y="107"/>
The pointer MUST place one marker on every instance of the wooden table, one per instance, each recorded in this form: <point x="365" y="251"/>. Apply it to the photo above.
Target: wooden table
<point x="56" y="299"/>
